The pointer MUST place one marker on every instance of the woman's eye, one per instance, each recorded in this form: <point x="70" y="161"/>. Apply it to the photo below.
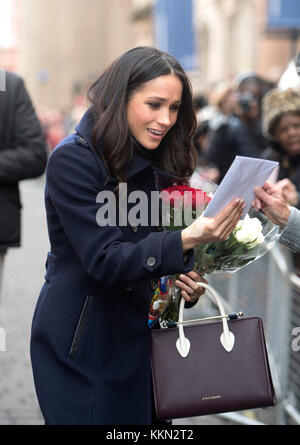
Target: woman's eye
<point x="154" y="105"/>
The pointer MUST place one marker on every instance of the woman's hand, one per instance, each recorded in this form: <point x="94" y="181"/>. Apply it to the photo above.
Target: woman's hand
<point x="269" y="199"/>
<point x="190" y="290"/>
<point x="283" y="189"/>
<point x="289" y="191"/>
<point x="205" y="230"/>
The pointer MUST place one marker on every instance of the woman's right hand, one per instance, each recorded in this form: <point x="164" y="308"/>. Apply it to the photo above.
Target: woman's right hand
<point x="205" y="230"/>
<point x="273" y="204"/>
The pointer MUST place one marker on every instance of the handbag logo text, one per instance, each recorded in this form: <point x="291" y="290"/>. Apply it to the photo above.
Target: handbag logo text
<point x="211" y="397"/>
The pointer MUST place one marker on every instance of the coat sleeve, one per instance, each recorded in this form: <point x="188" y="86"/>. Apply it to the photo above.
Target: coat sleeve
<point x="73" y="184"/>
<point x="290" y="236"/>
<point x="26" y="157"/>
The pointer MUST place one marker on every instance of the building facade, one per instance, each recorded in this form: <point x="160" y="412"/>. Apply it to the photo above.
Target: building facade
<point x="58" y="46"/>
<point x="232" y="37"/>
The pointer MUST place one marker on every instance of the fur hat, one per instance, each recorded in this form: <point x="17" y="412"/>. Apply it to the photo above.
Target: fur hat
<point x="275" y="104"/>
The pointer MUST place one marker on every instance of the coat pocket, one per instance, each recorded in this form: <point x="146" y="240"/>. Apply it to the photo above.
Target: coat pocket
<point x="80" y="326"/>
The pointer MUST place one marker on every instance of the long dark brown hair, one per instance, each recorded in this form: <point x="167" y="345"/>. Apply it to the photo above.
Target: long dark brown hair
<point x="109" y="95"/>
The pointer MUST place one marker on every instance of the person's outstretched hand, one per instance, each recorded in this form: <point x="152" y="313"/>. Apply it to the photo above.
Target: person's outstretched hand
<point x="270" y="200"/>
<point x="289" y="191"/>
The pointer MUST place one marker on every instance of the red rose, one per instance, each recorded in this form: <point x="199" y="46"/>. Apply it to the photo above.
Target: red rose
<point x="179" y="195"/>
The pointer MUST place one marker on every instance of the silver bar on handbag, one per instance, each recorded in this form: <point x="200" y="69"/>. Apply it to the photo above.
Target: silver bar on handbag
<point x="217" y="317"/>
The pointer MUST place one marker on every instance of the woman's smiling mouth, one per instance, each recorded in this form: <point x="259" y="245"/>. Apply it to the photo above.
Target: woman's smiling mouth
<point x="156" y="133"/>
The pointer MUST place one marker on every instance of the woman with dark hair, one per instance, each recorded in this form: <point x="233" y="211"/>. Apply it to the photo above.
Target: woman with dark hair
<point x="114" y="89"/>
<point x="90" y="337"/>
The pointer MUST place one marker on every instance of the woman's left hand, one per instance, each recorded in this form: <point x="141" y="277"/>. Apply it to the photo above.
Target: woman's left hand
<point x="190" y="290"/>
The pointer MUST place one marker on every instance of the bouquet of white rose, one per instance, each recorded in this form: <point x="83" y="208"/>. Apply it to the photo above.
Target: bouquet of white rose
<point x="253" y="236"/>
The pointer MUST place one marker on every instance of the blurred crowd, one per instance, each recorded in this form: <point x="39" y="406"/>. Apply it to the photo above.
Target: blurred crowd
<point x="229" y="121"/>
<point x="58" y="123"/>
<point x="252" y="117"/>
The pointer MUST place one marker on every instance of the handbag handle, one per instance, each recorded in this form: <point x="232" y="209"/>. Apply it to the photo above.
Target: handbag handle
<point x="227" y="338"/>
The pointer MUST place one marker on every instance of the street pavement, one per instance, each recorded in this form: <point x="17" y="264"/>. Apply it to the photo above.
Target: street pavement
<point x="24" y="271"/>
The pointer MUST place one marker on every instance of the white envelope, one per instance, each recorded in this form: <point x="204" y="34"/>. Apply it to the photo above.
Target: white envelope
<point x="239" y="182"/>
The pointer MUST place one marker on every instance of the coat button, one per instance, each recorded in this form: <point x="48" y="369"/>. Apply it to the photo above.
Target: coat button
<point x="128" y="287"/>
<point x="151" y="261"/>
<point x="153" y="284"/>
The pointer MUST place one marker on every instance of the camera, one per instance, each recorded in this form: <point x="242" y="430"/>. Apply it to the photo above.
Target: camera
<point x="245" y="101"/>
<point x="297" y="63"/>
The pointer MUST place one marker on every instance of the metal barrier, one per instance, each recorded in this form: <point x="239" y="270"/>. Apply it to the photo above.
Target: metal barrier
<point x="267" y="288"/>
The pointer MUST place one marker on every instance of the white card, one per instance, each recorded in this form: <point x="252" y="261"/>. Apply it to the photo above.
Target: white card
<point x="239" y="182"/>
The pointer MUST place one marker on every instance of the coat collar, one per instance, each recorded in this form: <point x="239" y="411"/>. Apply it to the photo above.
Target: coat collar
<point x="85" y="128"/>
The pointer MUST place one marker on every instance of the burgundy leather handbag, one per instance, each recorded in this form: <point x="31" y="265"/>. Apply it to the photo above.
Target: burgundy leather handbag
<point x="210" y="367"/>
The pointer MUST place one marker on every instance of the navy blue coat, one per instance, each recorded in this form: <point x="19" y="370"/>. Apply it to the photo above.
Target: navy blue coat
<point x="90" y="339"/>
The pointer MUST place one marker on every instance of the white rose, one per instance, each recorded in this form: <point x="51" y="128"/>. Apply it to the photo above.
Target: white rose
<point x="249" y="231"/>
<point x="260" y="239"/>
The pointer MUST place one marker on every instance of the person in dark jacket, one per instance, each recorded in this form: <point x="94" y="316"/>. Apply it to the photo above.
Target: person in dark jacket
<point x="241" y="133"/>
<point x="90" y="337"/>
<point x="281" y="124"/>
<point x="23" y="155"/>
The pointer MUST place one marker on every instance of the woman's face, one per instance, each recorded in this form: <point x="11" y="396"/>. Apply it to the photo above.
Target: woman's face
<point x="287" y="133"/>
<point x="152" y="110"/>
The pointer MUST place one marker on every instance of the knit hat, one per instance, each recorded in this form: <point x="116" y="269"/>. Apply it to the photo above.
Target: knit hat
<point x="275" y="104"/>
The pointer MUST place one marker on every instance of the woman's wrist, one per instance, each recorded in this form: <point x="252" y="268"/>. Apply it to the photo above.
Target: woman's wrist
<point x="188" y="242"/>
